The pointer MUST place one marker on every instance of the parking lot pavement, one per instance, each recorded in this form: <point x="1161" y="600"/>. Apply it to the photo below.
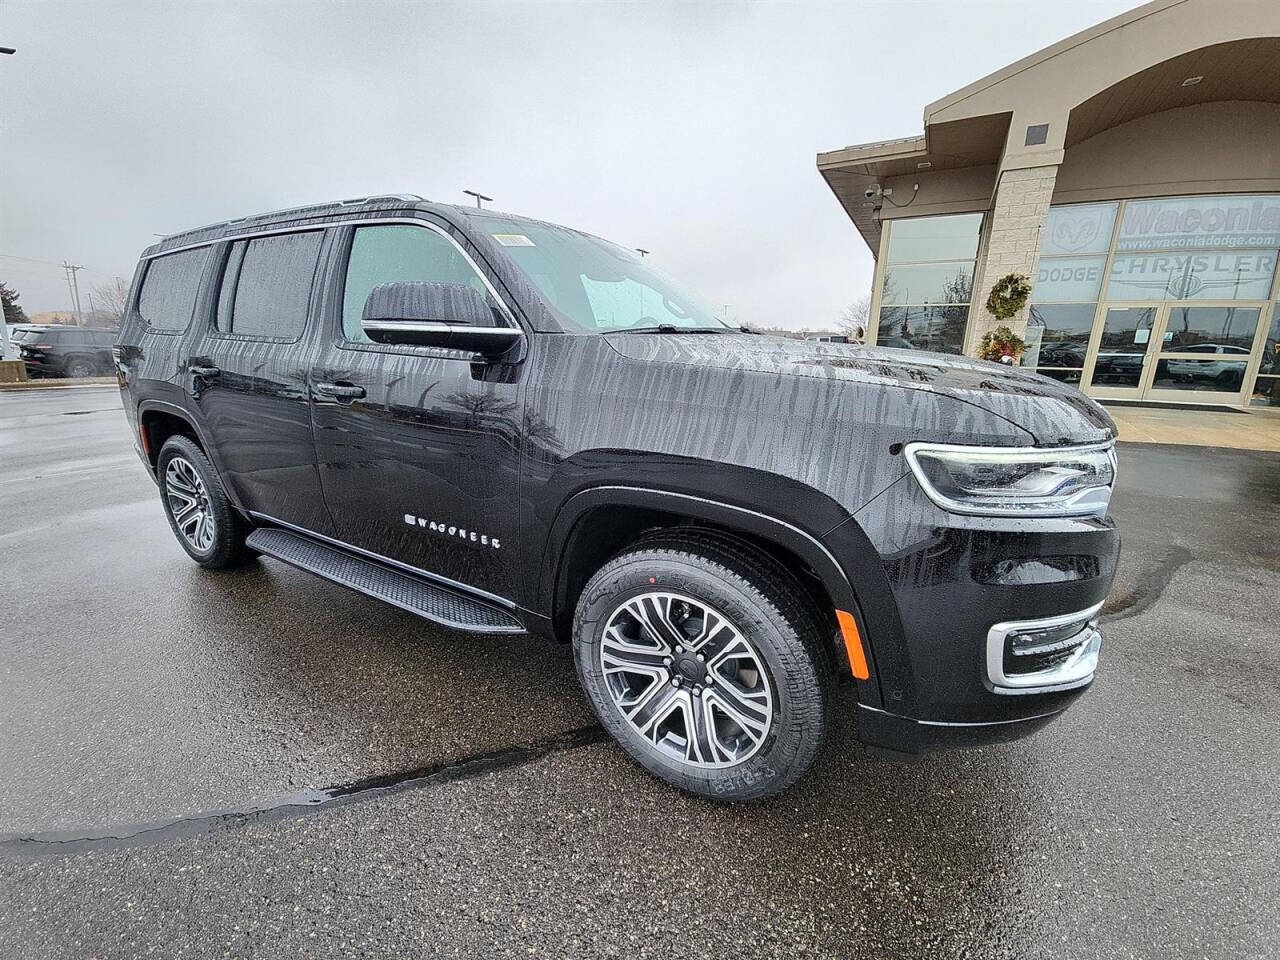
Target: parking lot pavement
<point x="196" y="718"/>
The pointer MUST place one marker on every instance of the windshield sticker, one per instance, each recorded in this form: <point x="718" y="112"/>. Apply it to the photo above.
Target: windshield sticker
<point x="513" y="239"/>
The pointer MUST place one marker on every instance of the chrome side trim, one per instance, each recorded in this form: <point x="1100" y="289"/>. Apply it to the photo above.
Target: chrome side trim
<point x="436" y="326"/>
<point x="416" y="571"/>
<point x="1075" y="672"/>
<point x="944" y="723"/>
<point x="729" y="506"/>
<point x="365" y="222"/>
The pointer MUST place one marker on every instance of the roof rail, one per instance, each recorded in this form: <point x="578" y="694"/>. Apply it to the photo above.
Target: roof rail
<point x="352" y="202"/>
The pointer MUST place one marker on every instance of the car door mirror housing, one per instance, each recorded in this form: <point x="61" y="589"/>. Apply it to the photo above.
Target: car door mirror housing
<point x="452" y="315"/>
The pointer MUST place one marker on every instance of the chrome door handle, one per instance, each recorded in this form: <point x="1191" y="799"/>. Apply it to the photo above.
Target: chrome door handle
<point x="340" y="391"/>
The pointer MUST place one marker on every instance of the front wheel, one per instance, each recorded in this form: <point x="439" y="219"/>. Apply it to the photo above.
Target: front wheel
<point x="200" y="514"/>
<point x="703" y="658"/>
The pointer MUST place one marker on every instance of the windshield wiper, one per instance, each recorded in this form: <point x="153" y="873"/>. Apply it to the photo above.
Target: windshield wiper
<point x="669" y="328"/>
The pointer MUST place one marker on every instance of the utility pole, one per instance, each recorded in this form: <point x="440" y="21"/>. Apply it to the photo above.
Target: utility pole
<point x="73" y="288"/>
<point x="6" y="345"/>
<point x="478" y="196"/>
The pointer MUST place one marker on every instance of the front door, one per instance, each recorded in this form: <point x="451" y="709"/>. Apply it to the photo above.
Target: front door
<point x="1122" y="351"/>
<point x="1203" y="353"/>
<point x="418" y="448"/>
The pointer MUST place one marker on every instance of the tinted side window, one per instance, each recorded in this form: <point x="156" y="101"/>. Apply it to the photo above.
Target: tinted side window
<point x="168" y="295"/>
<point x="402" y="252"/>
<point x="266" y="285"/>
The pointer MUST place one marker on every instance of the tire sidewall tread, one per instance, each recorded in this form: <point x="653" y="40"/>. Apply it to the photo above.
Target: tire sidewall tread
<point x="230" y="529"/>
<point x="767" y="604"/>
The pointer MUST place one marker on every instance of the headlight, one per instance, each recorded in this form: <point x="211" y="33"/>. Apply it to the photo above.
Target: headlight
<point x="1015" y="481"/>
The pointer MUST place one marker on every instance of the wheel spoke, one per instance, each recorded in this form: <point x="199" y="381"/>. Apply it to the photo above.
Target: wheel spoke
<point x="700" y="727"/>
<point x="748" y="711"/>
<point x="653" y="613"/>
<point x="650" y="712"/>
<point x="618" y="654"/>
<point x="176" y="481"/>
<point x="709" y="705"/>
<point x="180" y="504"/>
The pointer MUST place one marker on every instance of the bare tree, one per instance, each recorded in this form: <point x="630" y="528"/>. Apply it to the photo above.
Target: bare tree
<point x="110" y="299"/>
<point x="855" y="318"/>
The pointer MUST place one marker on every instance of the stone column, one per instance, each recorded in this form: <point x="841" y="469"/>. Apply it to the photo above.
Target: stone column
<point x="1012" y="244"/>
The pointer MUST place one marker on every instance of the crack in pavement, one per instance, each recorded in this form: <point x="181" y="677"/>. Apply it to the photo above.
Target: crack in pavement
<point x="1150" y="586"/>
<point x="69" y="842"/>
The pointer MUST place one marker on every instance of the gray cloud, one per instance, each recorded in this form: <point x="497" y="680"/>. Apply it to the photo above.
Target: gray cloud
<point x="688" y="129"/>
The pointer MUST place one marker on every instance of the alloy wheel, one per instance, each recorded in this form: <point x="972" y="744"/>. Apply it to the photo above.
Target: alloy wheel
<point x="189" y="504"/>
<point x="686" y="679"/>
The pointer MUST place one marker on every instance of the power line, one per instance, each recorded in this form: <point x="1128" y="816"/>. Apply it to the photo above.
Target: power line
<point x="10" y="256"/>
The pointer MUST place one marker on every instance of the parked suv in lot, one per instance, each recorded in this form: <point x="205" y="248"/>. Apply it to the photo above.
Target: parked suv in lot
<point x="506" y="426"/>
<point x="64" y="351"/>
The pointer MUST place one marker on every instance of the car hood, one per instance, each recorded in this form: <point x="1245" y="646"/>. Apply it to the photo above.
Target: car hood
<point x="1052" y="412"/>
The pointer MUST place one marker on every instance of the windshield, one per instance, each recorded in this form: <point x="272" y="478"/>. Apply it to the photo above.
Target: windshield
<point x="595" y="285"/>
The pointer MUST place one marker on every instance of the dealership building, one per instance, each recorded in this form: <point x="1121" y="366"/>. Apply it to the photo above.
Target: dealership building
<point x="1132" y="171"/>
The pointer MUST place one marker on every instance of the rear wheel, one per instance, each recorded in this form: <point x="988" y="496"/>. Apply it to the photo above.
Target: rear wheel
<point x="199" y="512"/>
<point x="79" y="367"/>
<point x="703" y="658"/>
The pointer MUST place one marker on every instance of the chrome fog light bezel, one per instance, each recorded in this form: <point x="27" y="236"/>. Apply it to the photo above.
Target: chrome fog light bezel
<point x="1077" y="671"/>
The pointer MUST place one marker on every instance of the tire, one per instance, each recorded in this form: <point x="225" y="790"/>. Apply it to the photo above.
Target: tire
<point x="213" y="535"/>
<point x="79" y="368"/>
<point x="780" y="688"/>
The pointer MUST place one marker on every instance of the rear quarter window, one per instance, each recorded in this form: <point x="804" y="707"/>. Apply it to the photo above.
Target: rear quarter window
<point x="168" y="295"/>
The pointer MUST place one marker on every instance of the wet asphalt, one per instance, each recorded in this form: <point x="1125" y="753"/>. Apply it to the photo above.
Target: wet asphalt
<point x="262" y="764"/>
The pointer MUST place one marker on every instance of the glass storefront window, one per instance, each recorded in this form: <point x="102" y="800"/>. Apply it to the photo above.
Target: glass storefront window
<point x="1216" y="367"/>
<point x="1192" y="275"/>
<point x="1266" y="389"/>
<point x="1195" y="327"/>
<point x="1058" y="339"/>
<point x="936" y="328"/>
<point x="1078" y="228"/>
<point x="927" y="283"/>
<point x="1126" y="331"/>
<point x="1068" y="279"/>
<point x="1217" y="222"/>
<point x="918" y="239"/>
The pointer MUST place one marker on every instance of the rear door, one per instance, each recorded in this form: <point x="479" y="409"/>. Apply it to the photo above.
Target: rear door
<point x="418" y="447"/>
<point x="248" y="375"/>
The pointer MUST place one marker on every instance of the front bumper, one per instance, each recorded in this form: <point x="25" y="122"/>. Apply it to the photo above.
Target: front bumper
<point x="960" y="593"/>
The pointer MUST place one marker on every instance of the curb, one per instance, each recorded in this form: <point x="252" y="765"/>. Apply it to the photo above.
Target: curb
<point x="53" y="384"/>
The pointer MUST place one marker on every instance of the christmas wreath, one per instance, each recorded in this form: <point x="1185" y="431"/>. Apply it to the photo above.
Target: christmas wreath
<point x="1001" y="345"/>
<point x="1008" y="296"/>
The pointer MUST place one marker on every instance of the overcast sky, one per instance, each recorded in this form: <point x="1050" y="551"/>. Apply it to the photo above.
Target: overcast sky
<point x="689" y="129"/>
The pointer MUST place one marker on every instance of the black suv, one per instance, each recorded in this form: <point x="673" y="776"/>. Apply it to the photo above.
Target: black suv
<point x="504" y="425"/>
<point x="58" y="351"/>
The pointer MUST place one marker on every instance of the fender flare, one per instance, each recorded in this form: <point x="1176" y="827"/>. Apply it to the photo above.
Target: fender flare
<point x="183" y="414"/>
<point x="801" y="543"/>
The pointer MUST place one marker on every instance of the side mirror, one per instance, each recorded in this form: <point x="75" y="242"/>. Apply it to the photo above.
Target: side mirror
<point x="449" y="315"/>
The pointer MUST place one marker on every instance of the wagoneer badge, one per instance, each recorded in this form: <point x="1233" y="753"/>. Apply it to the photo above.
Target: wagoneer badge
<point x="471" y="536"/>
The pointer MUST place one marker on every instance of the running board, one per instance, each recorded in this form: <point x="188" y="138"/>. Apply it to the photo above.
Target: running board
<point x="450" y="608"/>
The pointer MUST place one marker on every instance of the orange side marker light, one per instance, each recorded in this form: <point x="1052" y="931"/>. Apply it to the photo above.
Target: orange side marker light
<point x="853" y="644"/>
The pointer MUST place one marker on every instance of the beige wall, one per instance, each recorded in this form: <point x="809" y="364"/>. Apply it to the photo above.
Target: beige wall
<point x="1044" y="87"/>
<point x="1230" y="147"/>
<point x="947" y="191"/>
